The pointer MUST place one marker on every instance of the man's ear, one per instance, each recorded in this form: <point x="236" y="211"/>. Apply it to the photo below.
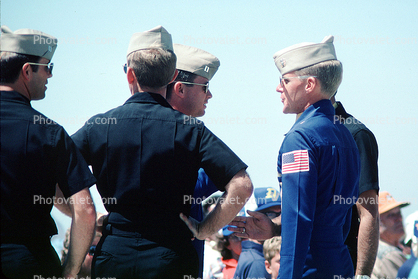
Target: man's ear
<point x="26" y="72"/>
<point x="267" y="264"/>
<point x="130" y="75"/>
<point x="179" y="89"/>
<point x="311" y="84"/>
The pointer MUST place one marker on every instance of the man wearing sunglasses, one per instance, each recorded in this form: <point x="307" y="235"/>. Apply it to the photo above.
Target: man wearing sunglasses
<point x="189" y="93"/>
<point x="36" y="155"/>
<point x="251" y="263"/>
<point x="318" y="168"/>
<point x="318" y="163"/>
<point x="149" y="161"/>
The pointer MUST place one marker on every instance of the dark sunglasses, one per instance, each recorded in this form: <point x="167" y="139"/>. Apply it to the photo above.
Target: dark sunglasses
<point x="49" y="66"/>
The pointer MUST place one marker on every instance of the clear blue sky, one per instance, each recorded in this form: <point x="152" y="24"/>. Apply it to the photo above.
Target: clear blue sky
<point x="377" y="41"/>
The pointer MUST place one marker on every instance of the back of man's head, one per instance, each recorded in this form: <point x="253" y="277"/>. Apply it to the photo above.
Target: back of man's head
<point x="153" y="68"/>
<point x="151" y="56"/>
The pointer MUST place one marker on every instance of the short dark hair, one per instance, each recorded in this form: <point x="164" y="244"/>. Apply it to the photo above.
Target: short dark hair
<point x="12" y="63"/>
<point x="222" y="242"/>
<point x="182" y="76"/>
<point x="153" y="68"/>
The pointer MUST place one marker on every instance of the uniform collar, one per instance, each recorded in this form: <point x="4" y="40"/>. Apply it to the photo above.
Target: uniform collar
<point x="15" y="97"/>
<point x="322" y="106"/>
<point x="146" y="97"/>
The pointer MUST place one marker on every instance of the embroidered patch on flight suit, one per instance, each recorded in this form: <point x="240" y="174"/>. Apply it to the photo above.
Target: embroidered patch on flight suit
<point x="295" y="161"/>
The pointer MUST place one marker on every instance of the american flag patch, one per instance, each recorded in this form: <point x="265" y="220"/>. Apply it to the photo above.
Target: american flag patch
<point x="295" y="161"/>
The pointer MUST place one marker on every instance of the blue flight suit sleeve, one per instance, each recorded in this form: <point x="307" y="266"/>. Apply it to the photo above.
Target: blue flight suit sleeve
<point x="204" y="186"/>
<point x="298" y="207"/>
<point x="203" y="189"/>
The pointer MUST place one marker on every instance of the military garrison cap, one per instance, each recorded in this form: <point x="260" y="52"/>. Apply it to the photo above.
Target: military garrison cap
<point x="196" y="61"/>
<point x="157" y="37"/>
<point x="303" y="55"/>
<point x="28" y="41"/>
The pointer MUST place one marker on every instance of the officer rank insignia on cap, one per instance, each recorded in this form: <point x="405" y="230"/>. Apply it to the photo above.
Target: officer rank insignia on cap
<point x="28" y="41"/>
<point x="196" y="61"/>
<point x="304" y="55"/>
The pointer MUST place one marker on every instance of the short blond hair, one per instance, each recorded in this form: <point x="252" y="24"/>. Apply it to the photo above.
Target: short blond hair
<point x="271" y="247"/>
<point x="329" y="73"/>
<point x="153" y="68"/>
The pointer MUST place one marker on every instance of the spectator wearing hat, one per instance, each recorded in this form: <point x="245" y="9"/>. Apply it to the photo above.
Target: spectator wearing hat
<point x="149" y="161"/>
<point x="251" y="263"/>
<point x="363" y="239"/>
<point x="389" y="255"/>
<point x="318" y="168"/>
<point x="36" y="154"/>
<point x="189" y="93"/>
<point x="410" y="268"/>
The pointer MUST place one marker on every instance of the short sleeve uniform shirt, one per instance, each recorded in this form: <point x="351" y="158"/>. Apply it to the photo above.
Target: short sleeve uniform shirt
<point x="36" y="154"/>
<point x="147" y="155"/>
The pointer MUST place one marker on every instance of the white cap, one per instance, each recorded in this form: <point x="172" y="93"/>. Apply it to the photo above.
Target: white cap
<point x="157" y="37"/>
<point x="28" y="41"/>
<point x="302" y="55"/>
<point x="196" y="61"/>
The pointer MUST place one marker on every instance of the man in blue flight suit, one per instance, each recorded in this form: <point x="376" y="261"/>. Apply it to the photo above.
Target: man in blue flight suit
<point x="36" y="154"/>
<point x="189" y="94"/>
<point x="318" y="168"/>
<point x="148" y="158"/>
